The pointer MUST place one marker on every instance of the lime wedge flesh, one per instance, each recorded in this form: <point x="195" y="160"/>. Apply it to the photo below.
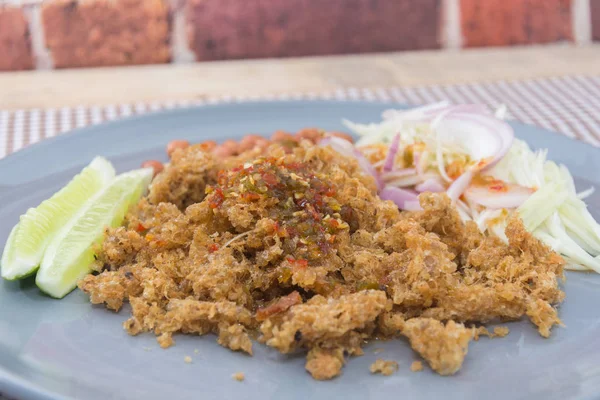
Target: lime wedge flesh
<point x="8" y="256"/>
<point x="71" y="253"/>
<point x="28" y="240"/>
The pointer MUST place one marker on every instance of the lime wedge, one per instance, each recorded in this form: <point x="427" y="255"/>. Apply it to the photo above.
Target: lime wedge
<point x="8" y="256"/>
<point x="70" y="254"/>
<point x="30" y="237"/>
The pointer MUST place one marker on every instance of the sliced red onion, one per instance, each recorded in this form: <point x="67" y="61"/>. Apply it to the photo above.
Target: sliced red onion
<point x="369" y="150"/>
<point x="391" y="155"/>
<point x="406" y="182"/>
<point x="486" y="138"/>
<point x="412" y="205"/>
<point x="369" y="168"/>
<point x="416" y="113"/>
<point x="466" y="213"/>
<point x="458" y="187"/>
<point x="430" y="185"/>
<point x="378" y="164"/>
<point x="399" y="173"/>
<point x="342" y="146"/>
<point x="488" y="218"/>
<point x="404" y="199"/>
<point x="347" y="149"/>
<point x="499" y="195"/>
<point x="430" y="111"/>
<point x="417" y="163"/>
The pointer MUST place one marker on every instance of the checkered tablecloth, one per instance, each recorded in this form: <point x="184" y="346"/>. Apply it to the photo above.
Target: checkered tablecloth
<point x="568" y="105"/>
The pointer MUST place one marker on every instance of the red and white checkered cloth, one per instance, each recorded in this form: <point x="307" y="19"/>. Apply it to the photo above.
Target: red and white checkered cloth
<point x="569" y="105"/>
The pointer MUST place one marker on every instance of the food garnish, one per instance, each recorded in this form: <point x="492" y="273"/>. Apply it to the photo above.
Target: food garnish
<point x="71" y="252"/>
<point x="29" y="239"/>
<point x="55" y="241"/>
<point x="472" y="155"/>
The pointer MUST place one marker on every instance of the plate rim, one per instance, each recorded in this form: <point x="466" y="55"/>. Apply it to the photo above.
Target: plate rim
<point x="14" y="385"/>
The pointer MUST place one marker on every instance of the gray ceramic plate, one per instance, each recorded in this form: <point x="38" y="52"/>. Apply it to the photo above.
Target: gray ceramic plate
<point x="69" y="349"/>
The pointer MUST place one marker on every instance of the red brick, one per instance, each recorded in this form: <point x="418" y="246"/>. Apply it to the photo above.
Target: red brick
<point x="89" y="33"/>
<point x="227" y="29"/>
<point x="595" y="10"/>
<point x="15" y="43"/>
<point x="512" y="22"/>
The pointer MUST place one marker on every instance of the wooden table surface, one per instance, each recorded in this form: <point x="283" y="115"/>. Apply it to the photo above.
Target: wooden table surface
<point x="99" y="86"/>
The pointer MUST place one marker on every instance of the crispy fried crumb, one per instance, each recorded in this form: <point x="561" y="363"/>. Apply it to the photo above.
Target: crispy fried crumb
<point x="323" y="319"/>
<point x="288" y="242"/>
<point x="499" y="331"/>
<point x="383" y="367"/>
<point x="324" y="364"/>
<point x="165" y="340"/>
<point x="196" y="351"/>
<point x="444" y="347"/>
<point x="377" y="351"/>
<point x="238" y="376"/>
<point x="416" y="366"/>
<point x="187" y="359"/>
<point x="543" y="315"/>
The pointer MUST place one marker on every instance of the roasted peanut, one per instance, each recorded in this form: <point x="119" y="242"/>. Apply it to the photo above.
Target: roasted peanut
<point x="176" y="144"/>
<point x="157" y="166"/>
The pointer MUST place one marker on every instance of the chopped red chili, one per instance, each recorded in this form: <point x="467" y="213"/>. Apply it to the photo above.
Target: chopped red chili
<point x="249" y="196"/>
<point x="303" y="201"/>
<point x="158" y="243"/>
<point x="217" y="198"/>
<point x="498" y="186"/>
<point x="270" y="179"/>
<point x="280" y="305"/>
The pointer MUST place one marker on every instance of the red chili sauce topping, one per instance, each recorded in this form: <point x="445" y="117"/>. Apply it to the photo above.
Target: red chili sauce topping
<point x="306" y="212"/>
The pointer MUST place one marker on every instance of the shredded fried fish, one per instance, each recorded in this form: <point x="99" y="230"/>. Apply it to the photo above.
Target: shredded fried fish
<point x="292" y="243"/>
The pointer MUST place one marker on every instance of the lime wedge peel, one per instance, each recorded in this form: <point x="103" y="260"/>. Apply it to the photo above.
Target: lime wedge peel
<point x="8" y="257"/>
<point x="69" y="256"/>
<point x="29" y="239"/>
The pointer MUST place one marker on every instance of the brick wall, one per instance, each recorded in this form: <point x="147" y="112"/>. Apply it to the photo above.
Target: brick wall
<point x="15" y="42"/>
<point x="595" y="11"/>
<point x="98" y="33"/>
<point x="87" y="33"/>
<point x="514" y="22"/>
<point x="225" y="29"/>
